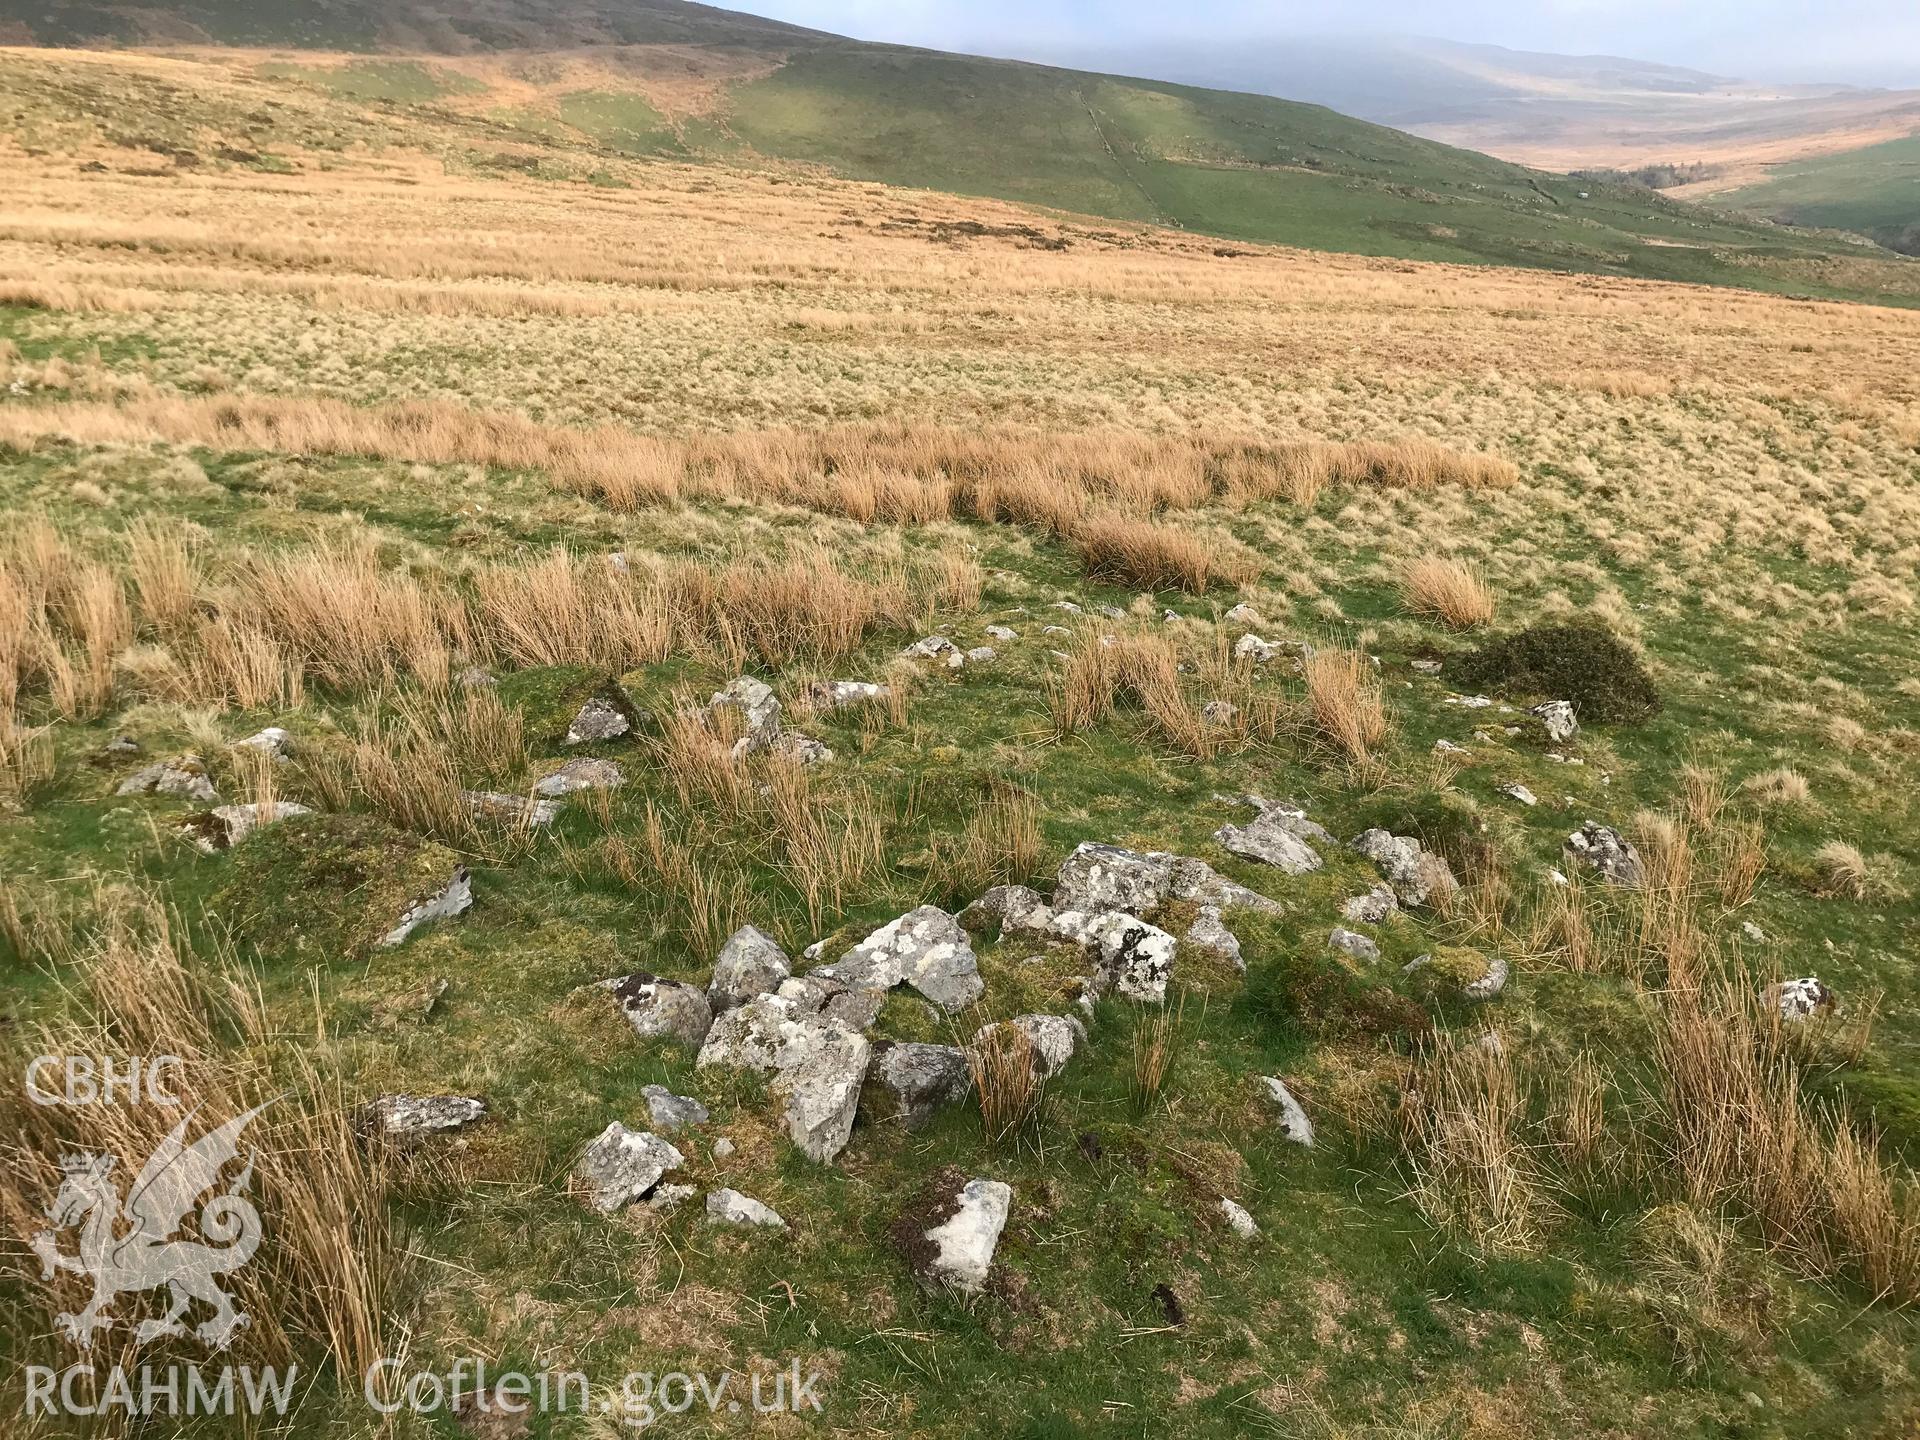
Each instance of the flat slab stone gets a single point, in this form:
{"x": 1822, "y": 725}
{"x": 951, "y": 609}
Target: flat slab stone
{"x": 620, "y": 1166}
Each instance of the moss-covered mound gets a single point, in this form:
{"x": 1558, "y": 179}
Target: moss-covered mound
{"x": 1577, "y": 660}
{"x": 325, "y": 886}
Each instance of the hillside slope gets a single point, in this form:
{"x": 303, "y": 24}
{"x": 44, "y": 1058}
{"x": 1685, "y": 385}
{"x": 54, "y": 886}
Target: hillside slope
{"x": 688, "y": 81}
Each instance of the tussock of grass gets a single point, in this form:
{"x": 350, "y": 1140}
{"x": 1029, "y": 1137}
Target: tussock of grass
{"x": 1345, "y": 703}
{"x": 1450, "y": 591}
{"x": 1152, "y": 556}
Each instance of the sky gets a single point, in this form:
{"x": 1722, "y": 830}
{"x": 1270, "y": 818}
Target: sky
{"x": 1864, "y": 42}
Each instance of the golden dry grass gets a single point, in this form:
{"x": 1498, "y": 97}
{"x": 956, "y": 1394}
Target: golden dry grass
{"x": 1345, "y": 704}
{"x": 1452, "y": 592}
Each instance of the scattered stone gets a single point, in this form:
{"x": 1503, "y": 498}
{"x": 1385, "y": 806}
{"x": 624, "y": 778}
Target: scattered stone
{"x": 1294, "y": 1124}
{"x": 800, "y": 749}
{"x": 1134, "y": 958}
{"x": 516, "y": 810}
{"x": 723, "y": 1148}
{"x": 122, "y": 745}
{"x": 1008, "y": 910}
{"x": 1425, "y": 667}
{"x": 1514, "y": 790}
{"x": 1112, "y": 612}
{"x": 1260, "y": 652}
{"x": 965, "y": 1241}
{"x": 1209, "y": 934}
{"x": 925, "y": 948}
{"x": 1447, "y": 747}
{"x": 1371, "y": 908}
{"x": 1753, "y": 932}
{"x": 1238, "y": 1220}
{"x": 1469, "y": 702}
{"x": 1068, "y": 606}
{"x": 759, "y": 710}
{"x": 184, "y": 776}
{"x": 662, "y": 1009}
{"x": 730, "y": 1207}
{"x": 668, "y": 1198}
{"x": 1604, "y": 849}
{"x": 583, "y": 773}
{"x": 272, "y": 742}
{"x": 1416, "y": 874}
{"x": 751, "y": 963}
{"x": 1272, "y": 839}
{"x": 620, "y": 1166}
{"x": 1002, "y": 633}
{"x": 670, "y": 1112}
{"x": 1097, "y": 878}
{"x": 1558, "y": 717}
{"x": 456, "y": 899}
{"x": 475, "y": 678}
{"x": 922, "y": 1078}
{"x": 227, "y": 825}
{"x": 599, "y": 719}
{"x": 1219, "y": 712}
{"x": 936, "y": 647}
{"x": 1350, "y": 943}
{"x": 1244, "y": 614}
{"x": 1056, "y": 630}
{"x": 981, "y": 654}
{"x": 838, "y": 694}
{"x": 1288, "y": 817}
{"x": 412, "y": 1117}
{"x": 1803, "y": 999}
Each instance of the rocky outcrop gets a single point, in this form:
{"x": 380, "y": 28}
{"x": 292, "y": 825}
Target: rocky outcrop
{"x": 1052, "y": 1039}
{"x": 759, "y": 711}
{"x": 1274, "y": 839}
{"x": 620, "y": 1166}
{"x": 837, "y": 694}
{"x": 1096, "y": 878}
{"x": 1238, "y": 1220}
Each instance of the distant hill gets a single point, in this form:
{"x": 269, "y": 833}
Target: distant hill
{"x": 692, "y": 81}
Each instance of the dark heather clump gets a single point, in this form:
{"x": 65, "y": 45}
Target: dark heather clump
{"x": 1581, "y": 661}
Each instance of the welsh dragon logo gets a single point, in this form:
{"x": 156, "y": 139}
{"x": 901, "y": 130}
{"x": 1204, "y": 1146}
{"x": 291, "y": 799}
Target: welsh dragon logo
{"x": 131, "y": 1246}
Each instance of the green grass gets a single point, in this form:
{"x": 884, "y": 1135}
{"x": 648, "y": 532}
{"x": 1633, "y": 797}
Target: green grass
{"x": 1242, "y": 167}
{"x": 622, "y": 122}
{"x": 1873, "y": 191}
{"x": 1566, "y": 1335}
{"x": 404, "y": 82}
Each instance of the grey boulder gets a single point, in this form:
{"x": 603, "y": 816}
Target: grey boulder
{"x": 669, "y": 1112}
{"x": 925, "y": 948}
{"x": 922, "y": 1079}
{"x": 730, "y": 1207}
{"x": 751, "y": 963}
{"x": 662, "y": 1009}
{"x": 620, "y": 1166}
{"x": 963, "y": 1243}
{"x": 1606, "y": 850}
{"x": 454, "y": 900}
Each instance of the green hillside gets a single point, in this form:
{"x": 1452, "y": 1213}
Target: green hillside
{"x": 1240, "y": 167}
{"x": 1874, "y": 191}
